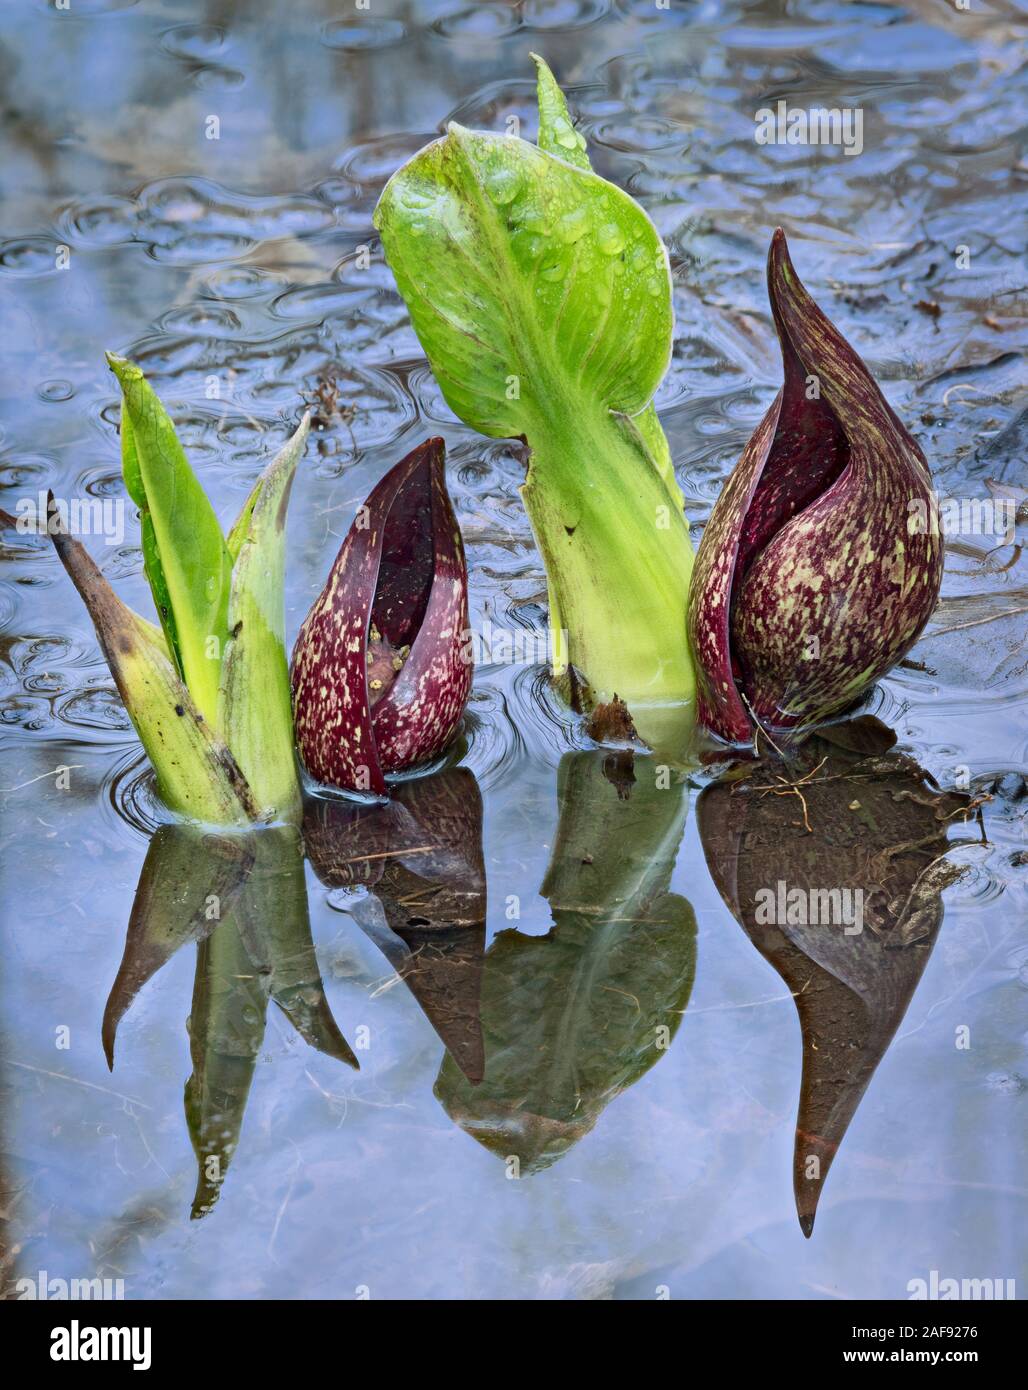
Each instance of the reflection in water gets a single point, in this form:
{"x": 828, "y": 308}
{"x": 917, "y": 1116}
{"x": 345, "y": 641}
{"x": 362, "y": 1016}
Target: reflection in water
{"x": 238, "y": 257}
{"x": 574, "y": 1017}
{"x": 243, "y": 899}
{"x": 189, "y": 880}
{"x": 419, "y": 855}
{"x": 832, "y": 862}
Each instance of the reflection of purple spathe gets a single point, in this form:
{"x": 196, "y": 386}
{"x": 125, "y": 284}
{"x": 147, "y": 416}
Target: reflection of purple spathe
{"x": 783, "y": 906}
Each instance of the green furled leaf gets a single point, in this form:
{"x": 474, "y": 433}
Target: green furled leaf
{"x": 557, "y": 133}
{"x": 255, "y": 710}
{"x": 187, "y": 561}
{"x": 241, "y": 525}
{"x": 516, "y": 265}
{"x": 541, "y": 294}
{"x": 558, "y": 136}
{"x": 151, "y": 555}
{"x": 196, "y": 774}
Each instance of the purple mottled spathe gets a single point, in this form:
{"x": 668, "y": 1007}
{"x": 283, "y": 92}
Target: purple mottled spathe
{"x": 399, "y": 582}
{"x": 816, "y": 572}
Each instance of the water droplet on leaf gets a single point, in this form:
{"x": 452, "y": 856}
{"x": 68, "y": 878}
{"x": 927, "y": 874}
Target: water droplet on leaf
{"x": 610, "y": 239}
{"x": 502, "y": 185}
{"x": 573, "y": 225}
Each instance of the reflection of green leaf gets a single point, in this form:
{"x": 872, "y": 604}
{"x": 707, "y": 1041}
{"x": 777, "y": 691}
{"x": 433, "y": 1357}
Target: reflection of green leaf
{"x": 226, "y": 1030}
{"x": 542, "y": 297}
{"x": 261, "y": 948}
{"x": 573, "y": 1018}
{"x": 189, "y": 880}
{"x": 277, "y": 933}
{"x": 187, "y": 561}
{"x": 255, "y": 711}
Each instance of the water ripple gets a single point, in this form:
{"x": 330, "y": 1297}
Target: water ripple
{"x": 197, "y": 42}
{"x": 482, "y": 23}
{"x": 356, "y": 35}
{"x": 553, "y": 15}
{"x": 28, "y": 256}
{"x": 129, "y": 790}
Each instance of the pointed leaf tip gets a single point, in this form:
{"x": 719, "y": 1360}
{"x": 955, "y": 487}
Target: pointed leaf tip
{"x": 557, "y": 133}
{"x": 124, "y": 369}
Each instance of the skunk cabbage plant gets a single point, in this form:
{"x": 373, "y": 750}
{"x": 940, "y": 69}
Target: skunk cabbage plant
{"x": 381, "y": 668}
{"x": 541, "y": 294}
{"x": 208, "y": 691}
{"x": 816, "y": 572}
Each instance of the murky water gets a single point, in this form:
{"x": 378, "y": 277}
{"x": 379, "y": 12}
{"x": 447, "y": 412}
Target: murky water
{"x": 530, "y": 957}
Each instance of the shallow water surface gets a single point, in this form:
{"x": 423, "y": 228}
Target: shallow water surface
{"x": 579, "y": 1062}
